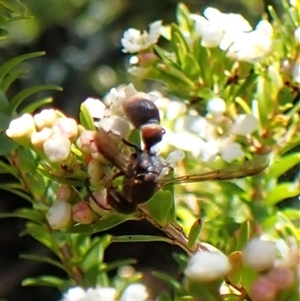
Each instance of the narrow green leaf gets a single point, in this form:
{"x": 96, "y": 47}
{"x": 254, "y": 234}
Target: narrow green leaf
{"x": 37, "y": 104}
{"x": 138, "y": 238}
{"x": 194, "y": 232}
{"x": 21, "y": 96}
{"x": 281, "y": 192}
{"x": 170, "y": 280}
{"x": 14, "y": 6}
{"x": 10, "y": 78}
{"x": 3, "y": 101}
{"x": 86, "y": 120}
{"x": 8, "y": 66}
{"x": 3, "y": 34}
{"x": 6, "y": 145}
{"x": 107, "y": 223}
{"x": 191, "y": 67}
{"x": 285, "y": 163}
{"x": 244, "y": 234}
{"x": 51, "y": 281}
{"x": 160, "y": 205}
{"x": 179, "y": 44}
{"x": 43, "y": 259}
{"x": 183, "y": 17}
{"x": 26, "y": 213}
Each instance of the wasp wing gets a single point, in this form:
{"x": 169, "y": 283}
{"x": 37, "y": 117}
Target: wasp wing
{"x": 108, "y": 148}
{"x": 248, "y": 168}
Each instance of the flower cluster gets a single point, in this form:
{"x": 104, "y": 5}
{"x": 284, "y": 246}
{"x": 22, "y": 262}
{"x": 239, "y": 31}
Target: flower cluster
{"x": 133, "y": 292}
{"x": 214, "y": 134}
{"x": 233, "y": 34}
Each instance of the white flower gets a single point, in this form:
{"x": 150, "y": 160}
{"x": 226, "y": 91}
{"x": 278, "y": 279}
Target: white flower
{"x": 135, "y": 292}
{"x": 231, "y": 151}
{"x": 297, "y": 35}
{"x": 46, "y": 118}
{"x": 217, "y": 25}
{"x": 209, "y": 150}
{"x": 92, "y": 294}
{"x": 134, "y": 41}
{"x": 259, "y": 255}
{"x": 95, "y": 107}
{"x": 244, "y": 124}
{"x": 57, "y": 148}
{"x": 296, "y": 72}
{"x": 216, "y": 106}
{"x": 59, "y": 215}
{"x": 21, "y": 127}
{"x": 207, "y": 266}
{"x": 117, "y": 126}
{"x": 249, "y": 46}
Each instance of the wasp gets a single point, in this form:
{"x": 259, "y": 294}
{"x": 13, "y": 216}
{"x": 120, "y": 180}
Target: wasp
{"x": 142, "y": 170}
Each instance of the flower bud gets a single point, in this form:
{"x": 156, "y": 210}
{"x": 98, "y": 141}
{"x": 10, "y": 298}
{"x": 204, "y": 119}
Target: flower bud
{"x": 263, "y": 289}
{"x": 39, "y": 138}
{"x": 85, "y": 140}
{"x": 207, "y": 266}
{"x": 135, "y": 292}
{"x": 95, "y": 107}
{"x": 46, "y": 118}
{"x": 216, "y": 106}
{"x": 59, "y": 215}
{"x": 21, "y": 128}
{"x": 244, "y": 124}
{"x": 99, "y": 203}
{"x": 63, "y": 192}
{"x": 259, "y": 255}
{"x": 57, "y": 148}
{"x": 82, "y": 213}
{"x": 66, "y": 127}
{"x": 282, "y": 277}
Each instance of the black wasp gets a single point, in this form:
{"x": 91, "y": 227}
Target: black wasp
{"x": 142, "y": 169}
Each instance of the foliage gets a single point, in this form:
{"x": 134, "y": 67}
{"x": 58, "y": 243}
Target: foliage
{"x": 260, "y": 94}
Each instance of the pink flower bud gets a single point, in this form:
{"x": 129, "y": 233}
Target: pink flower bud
{"x": 82, "y": 213}
{"x": 64, "y": 192}
{"x": 66, "y": 127}
{"x": 263, "y": 289}
{"x": 85, "y": 141}
{"x": 282, "y": 277}
{"x": 259, "y": 255}
{"x": 45, "y": 118}
{"x": 59, "y": 215}
{"x": 57, "y": 148}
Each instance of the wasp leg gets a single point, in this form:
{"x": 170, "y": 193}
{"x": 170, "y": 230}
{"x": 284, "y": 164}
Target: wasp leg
{"x": 136, "y": 148}
{"x": 118, "y": 202}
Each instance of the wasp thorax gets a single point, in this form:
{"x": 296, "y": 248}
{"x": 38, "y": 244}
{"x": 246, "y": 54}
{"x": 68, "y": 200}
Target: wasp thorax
{"x": 140, "y": 111}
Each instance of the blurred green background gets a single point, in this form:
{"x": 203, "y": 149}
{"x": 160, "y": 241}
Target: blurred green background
{"x": 83, "y": 55}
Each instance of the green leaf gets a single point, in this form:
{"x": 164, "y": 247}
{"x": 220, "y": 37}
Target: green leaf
{"x": 21, "y": 96}
{"x": 281, "y": 192}
{"x": 3, "y": 34}
{"x": 190, "y": 67}
{"x": 179, "y": 44}
{"x": 171, "y": 281}
{"x": 112, "y": 220}
{"x": 26, "y": 213}
{"x": 51, "y": 281}
{"x": 3, "y": 102}
{"x": 244, "y": 234}
{"x": 86, "y": 120}
{"x": 6, "y": 144}
{"x": 160, "y": 205}
{"x": 10, "y": 78}
{"x": 14, "y": 6}
{"x": 8, "y": 66}
{"x": 32, "y": 107}
{"x": 285, "y": 163}
{"x": 43, "y": 259}
{"x": 183, "y": 17}
{"x": 194, "y": 232}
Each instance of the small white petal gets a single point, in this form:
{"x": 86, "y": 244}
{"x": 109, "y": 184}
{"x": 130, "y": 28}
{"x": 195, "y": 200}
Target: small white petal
{"x": 135, "y": 292}
{"x": 46, "y": 118}
{"x": 259, "y": 255}
{"x": 38, "y": 138}
{"x": 244, "y": 124}
{"x": 101, "y": 294}
{"x": 231, "y": 151}
{"x": 195, "y": 124}
{"x": 174, "y": 157}
{"x": 296, "y": 72}
{"x": 209, "y": 151}
{"x": 66, "y": 127}
{"x": 216, "y": 106}
{"x": 116, "y": 125}
{"x": 75, "y": 294}
{"x": 207, "y": 266}
{"x": 297, "y": 35}
{"x": 95, "y": 107}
